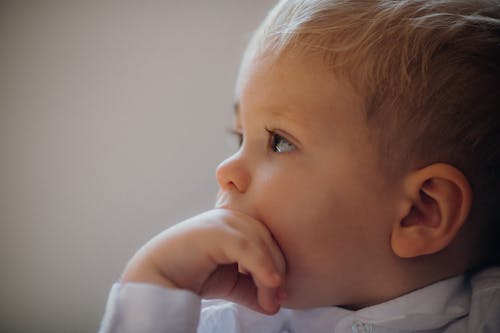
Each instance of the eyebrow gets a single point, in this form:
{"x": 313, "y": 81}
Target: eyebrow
{"x": 277, "y": 112}
{"x": 236, "y": 108}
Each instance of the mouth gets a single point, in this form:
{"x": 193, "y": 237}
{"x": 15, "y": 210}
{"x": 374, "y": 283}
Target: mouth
{"x": 222, "y": 200}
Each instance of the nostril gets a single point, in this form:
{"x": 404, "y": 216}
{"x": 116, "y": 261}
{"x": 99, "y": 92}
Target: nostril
{"x": 239, "y": 183}
{"x": 223, "y": 178}
{"x": 233, "y": 174}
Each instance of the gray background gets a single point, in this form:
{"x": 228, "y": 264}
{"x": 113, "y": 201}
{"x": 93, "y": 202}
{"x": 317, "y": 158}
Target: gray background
{"x": 112, "y": 121}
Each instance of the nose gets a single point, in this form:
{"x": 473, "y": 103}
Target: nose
{"x": 232, "y": 173}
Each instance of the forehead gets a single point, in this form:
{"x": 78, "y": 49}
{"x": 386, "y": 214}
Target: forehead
{"x": 299, "y": 89}
{"x": 278, "y": 111}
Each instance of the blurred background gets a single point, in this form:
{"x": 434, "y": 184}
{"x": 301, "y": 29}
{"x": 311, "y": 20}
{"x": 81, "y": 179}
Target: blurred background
{"x": 112, "y": 121}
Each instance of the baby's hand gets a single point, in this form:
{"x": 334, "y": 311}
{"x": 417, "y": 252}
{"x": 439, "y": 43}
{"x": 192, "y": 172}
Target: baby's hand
{"x": 218, "y": 254}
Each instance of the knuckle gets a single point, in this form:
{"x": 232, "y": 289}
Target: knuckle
{"x": 243, "y": 244}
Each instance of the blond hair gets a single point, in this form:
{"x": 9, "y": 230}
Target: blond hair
{"x": 429, "y": 71}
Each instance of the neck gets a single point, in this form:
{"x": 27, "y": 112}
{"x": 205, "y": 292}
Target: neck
{"x": 407, "y": 275}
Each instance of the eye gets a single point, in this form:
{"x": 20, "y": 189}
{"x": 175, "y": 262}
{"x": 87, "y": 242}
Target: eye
{"x": 235, "y": 134}
{"x": 279, "y": 144}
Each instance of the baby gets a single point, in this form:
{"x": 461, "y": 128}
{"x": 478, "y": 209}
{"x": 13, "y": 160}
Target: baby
{"x": 363, "y": 195}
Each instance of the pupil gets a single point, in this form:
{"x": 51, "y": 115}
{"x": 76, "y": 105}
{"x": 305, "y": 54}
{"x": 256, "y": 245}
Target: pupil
{"x": 278, "y": 144}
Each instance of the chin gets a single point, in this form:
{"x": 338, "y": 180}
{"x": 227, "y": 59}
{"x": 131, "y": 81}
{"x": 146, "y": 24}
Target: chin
{"x": 304, "y": 300}
{"x": 296, "y": 306}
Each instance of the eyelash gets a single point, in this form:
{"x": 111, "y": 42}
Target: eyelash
{"x": 274, "y": 138}
{"x": 237, "y": 134}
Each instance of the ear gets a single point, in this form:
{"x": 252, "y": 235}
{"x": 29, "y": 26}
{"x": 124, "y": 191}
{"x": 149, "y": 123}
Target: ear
{"x": 437, "y": 202}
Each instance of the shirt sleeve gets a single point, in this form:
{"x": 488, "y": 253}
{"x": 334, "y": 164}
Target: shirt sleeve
{"x": 136, "y": 307}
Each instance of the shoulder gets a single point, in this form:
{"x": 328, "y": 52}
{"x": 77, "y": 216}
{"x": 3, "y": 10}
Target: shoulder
{"x": 486, "y": 293}
{"x": 484, "y": 312}
{"x": 486, "y": 281}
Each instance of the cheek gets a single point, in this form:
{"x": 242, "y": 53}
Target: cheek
{"x": 312, "y": 222}
{"x": 305, "y": 207}
{"x": 301, "y": 221}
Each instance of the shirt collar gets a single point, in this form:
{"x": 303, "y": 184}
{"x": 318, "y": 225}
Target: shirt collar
{"x": 428, "y": 308}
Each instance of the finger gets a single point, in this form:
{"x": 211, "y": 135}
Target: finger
{"x": 245, "y": 292}
{"x": 258, "y": 234}
{"x": 251, "y": 253}
{"x": 267, "y": 299}
{"x": 255, "y": 259}
{"x": 277, "y": 256}
{"x": 243, "y": 270}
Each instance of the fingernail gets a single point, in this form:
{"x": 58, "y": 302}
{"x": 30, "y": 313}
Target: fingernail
{"x": 276, "y": 277}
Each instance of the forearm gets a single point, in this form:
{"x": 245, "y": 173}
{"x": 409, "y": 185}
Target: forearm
{"x": 135, "y": 307}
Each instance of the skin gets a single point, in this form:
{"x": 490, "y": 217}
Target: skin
{"x": 324, "y": 200}
{"x": 304, "y": 217}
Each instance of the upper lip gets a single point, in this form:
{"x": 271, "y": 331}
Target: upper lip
{"x": 225, "y": 200}
{"x": 222, "y": 200}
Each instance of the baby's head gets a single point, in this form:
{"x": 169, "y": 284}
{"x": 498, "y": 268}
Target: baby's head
{"x": 371, "y": 144}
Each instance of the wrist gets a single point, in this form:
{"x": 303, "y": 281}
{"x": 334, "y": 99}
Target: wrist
{"x": 140, "y": 274}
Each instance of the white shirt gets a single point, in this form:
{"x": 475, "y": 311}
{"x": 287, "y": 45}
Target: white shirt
{"x": 458, "y": 304}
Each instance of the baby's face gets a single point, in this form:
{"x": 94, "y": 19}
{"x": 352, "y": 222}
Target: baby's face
{"x": 307, "y": 170}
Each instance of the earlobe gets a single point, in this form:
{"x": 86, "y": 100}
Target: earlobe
{"x": 437, "y": 203}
